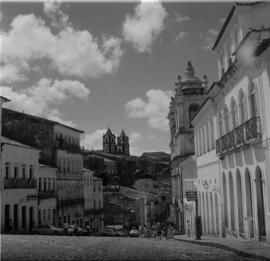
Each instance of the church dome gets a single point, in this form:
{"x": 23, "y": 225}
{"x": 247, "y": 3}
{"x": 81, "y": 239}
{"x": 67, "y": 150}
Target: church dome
{"x": 190, "y": 84}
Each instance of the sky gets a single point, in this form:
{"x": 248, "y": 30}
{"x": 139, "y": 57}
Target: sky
{"x": 98, "y": 65}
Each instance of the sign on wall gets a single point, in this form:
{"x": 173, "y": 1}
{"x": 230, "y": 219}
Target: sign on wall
{"x": 191, "y": 195}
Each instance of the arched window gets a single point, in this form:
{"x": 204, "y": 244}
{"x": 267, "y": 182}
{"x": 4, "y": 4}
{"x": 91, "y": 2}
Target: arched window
{"x": 191, "y": 111}
{"x": 226, "y": 120}
{"x": 242, "y": 106}
{"x": 233, "y": 113}
{"x": 220, "y": 124}
{"x": 253, "y": 100}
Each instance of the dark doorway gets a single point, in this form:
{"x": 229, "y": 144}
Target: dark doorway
{"x": 23, "y": 217}
{"x": 260, "y": 205}
{"x": 15, "y": 217}
{"x": 7, "y": 218}
{"x": 31, "y": 218}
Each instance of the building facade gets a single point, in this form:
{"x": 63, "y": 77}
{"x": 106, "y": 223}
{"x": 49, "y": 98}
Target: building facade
{"x": 189, "y": 95}
{"x": 60, "y": 148}
{"x": 110, "y": 145}
{"x": 19, "y": 205}
{"x": 208, "y": 167}
{"x": 88, "y": 184}
{"x": 237, "y": 203}
{"x": 47, "y": 195}
{"x": 97, "y": 223}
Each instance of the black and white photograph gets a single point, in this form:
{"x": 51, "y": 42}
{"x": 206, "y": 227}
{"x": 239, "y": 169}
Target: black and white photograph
{"x": 135, "y": 130}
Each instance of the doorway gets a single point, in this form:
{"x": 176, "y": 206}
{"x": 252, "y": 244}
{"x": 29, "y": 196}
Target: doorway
{"x": 260, "y": 205}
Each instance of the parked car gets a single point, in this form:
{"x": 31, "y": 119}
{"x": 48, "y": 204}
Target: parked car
{"x": 133, "y": 233}
{"x": 48, "y": 230}
{"x": 108, "y": 232}
{"x": 121, "y": 233}
{"x": 80, "y": 231}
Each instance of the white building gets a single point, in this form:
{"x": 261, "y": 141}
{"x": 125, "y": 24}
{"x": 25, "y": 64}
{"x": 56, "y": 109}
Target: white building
{"x": 97, "y": 222}
{"x": 88, "y": 194}
{"x": 19, "y": 206}
{"x": 236, "y": 190}
{"x": 208, "y": 182}
{"x": 47, "y": 195}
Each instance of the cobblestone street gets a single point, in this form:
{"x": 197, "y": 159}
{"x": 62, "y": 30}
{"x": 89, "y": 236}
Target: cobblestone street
{"x": 21, "y": 247}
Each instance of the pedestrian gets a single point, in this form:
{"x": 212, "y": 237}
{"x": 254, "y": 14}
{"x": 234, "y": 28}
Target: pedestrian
{"x": 188, "y": 228}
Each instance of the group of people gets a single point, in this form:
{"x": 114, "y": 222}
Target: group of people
{"x": 157, "y": 230}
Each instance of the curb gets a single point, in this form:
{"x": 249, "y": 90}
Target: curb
{"x": 225, "y": 247}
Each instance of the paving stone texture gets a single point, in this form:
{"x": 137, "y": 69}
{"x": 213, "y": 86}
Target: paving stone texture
{"x": 36, "y": 247}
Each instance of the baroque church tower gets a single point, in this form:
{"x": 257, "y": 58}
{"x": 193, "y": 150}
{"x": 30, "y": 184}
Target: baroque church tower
{"x": 123, "y": 144}
{"x": 110, "y": 146}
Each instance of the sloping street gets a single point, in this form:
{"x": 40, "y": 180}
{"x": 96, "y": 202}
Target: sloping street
{"x": 22, "y": 247}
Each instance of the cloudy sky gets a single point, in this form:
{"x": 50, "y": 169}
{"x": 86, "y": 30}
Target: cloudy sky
{"x": 95, "y": 65}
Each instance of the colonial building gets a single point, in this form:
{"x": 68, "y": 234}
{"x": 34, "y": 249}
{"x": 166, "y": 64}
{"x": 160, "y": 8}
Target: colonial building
{"x": 208, "y": 183}
{"x": 97, "y": 222}
{"x": 19, "y": 205}
{"x": 59, "y": 145}
{"x": 47, "y": 195}
{"x": 110, "y": 145}
{"x": 189, "y": 95}
{"x": 235, "y": 192}
{"x": 88, "y": 182}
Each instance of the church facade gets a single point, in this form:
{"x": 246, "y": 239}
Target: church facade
{"x": 115, "y": 145}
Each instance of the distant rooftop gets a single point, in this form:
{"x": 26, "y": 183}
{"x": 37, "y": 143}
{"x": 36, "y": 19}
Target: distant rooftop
{"x": 15, "y": 143}
{"x": 43, "y": 119}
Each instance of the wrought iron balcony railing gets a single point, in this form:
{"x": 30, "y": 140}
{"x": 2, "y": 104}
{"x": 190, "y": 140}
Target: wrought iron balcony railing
{"x": 87, "y": 212}
{"x": 68, "y": 202}
{"x": 47, "y": 194}
{"x": 239, "y": 136}
{"x": 224, "y": 143}
{"x": 14, "y": 183}
{"x": 252, "y": 129}
{"x": 231, "y": 140}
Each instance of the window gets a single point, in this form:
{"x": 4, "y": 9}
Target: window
{"x": 44, "y": 184}
{"x": 253, "y": 100}
{"x": 99, "y": 187}
{"x": 49, "y": 184}
{"x": 94, "y": 203}
{"x": 94, "y": 189}
{"x": 54, "y": 188}
{"x": 192, "y": 109}
{"x": 64, "y": 165}
{"x": 7, "y": 169}
{"x": 44, "y": 214}
{"x": 226, "y": 120}
{"x": 242, "y": 106}
{"x": 31, "y": 172}
{"x": 49, "y": 214}
{"x": 16, "y": 172}
{"x": 233, "y": 113}
{"x": 23, "y": 171}
{"x": 100, "y": 203}
{"x": 39, "y": 184}
{"x": 220, "y": 124}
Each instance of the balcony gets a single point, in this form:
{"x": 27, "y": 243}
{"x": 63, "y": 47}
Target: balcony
{"x": 246, "y": 133}
{"x": 13, "y": 183}
{"x": 47, "y": 194}
{"x": 252, "y": 129}
{"x": 68, "y": 202}
{"x": 87, "y": 212}
{"x": 70, "y": 147}
{"x": 239, "y": 134}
